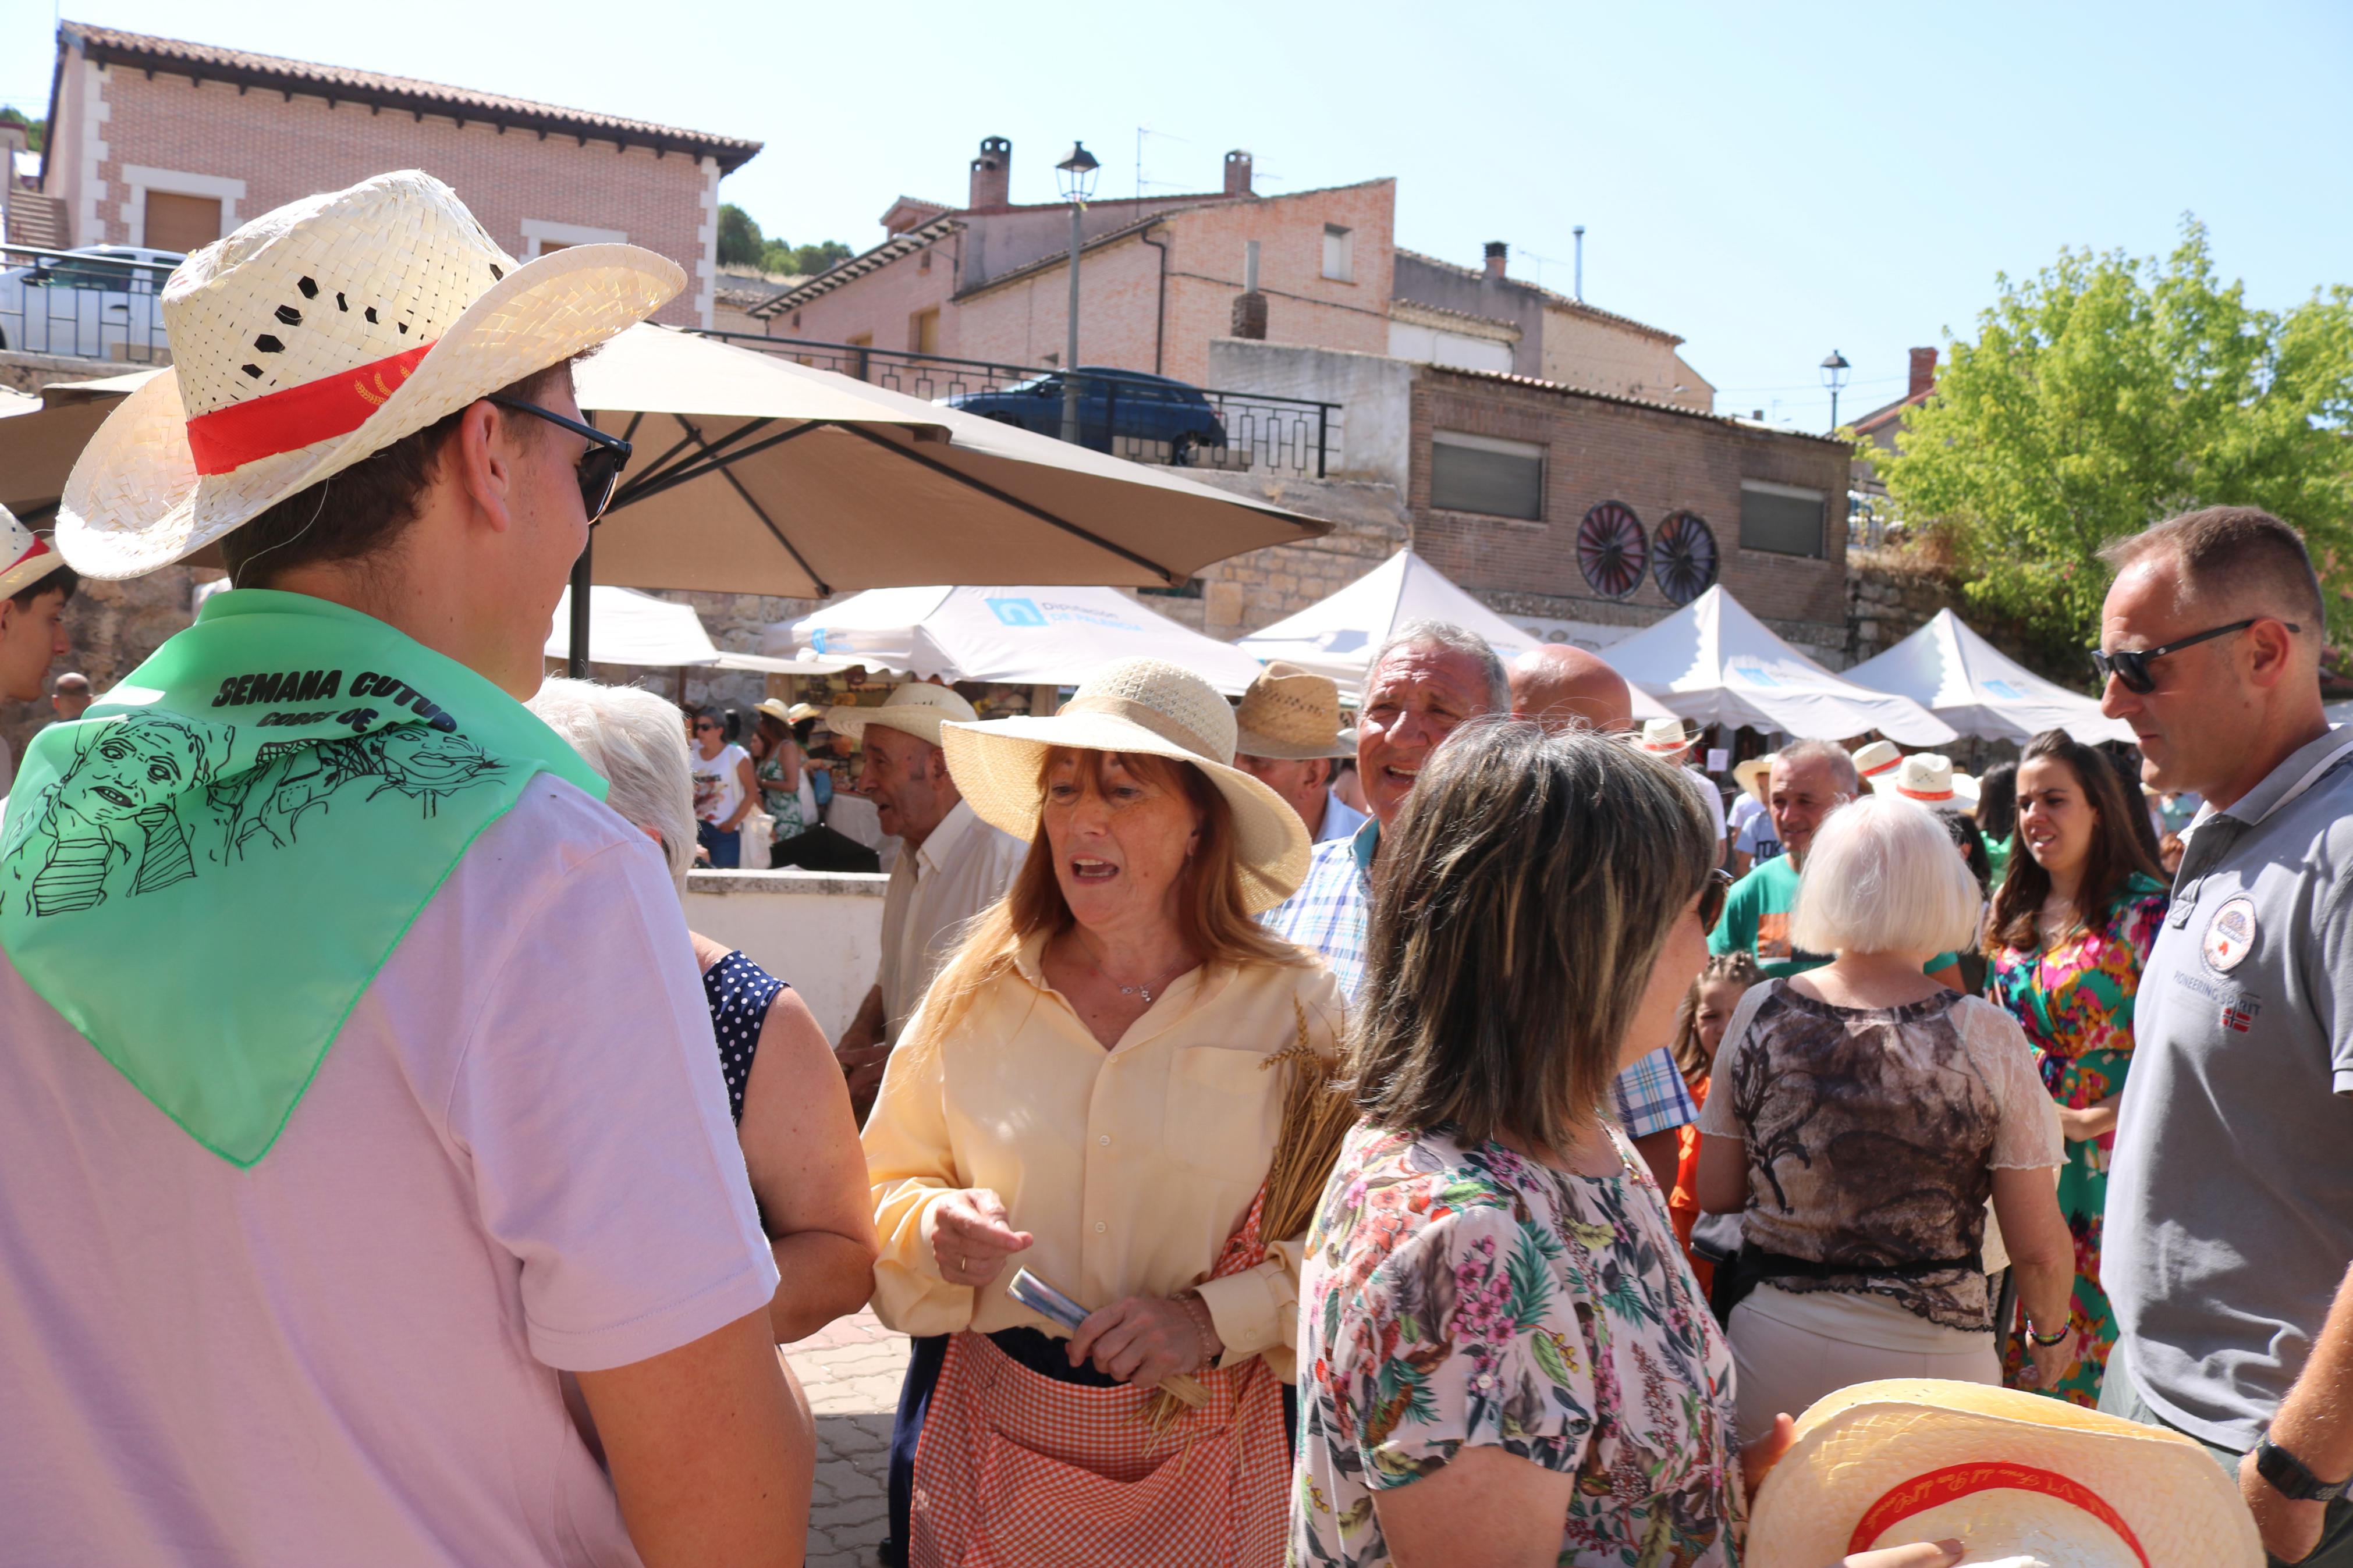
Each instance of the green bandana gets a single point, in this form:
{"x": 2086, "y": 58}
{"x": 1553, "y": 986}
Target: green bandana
{"x": 205, "y": 873}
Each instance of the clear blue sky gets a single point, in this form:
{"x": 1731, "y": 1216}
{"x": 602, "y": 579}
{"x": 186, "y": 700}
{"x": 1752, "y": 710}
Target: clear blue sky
{"x": 1769, "y": 180}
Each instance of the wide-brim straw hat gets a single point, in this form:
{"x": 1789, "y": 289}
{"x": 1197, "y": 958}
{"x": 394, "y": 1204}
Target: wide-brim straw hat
{"x": 318, "y": 335}
{"x": 2012, "y": 1474}
{"x": 1664, "y": 737}
{"x": 25, "y": 557}
{"x": 1876, "y": 758}
{"x": 1929, "y": 779}
{"x": 1747, "y": 774}
{"x": 1137, "y": 706}
{"x": 917, "y": 709}
{"x": 1291, "y": 715}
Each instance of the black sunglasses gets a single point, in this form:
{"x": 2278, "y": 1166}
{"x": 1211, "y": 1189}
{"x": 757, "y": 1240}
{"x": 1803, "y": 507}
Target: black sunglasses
{"x": 1712, "y": 896}
{"x": 600, "y": 465}
{"x": 2131, "y": 666}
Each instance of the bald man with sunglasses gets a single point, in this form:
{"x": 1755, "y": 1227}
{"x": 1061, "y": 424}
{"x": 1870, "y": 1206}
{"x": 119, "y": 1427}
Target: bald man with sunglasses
{"x": 2229, "y": 1230}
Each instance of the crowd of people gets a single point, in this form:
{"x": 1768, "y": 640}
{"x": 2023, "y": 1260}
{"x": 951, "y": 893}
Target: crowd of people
{"x": 1454, "y": 1141}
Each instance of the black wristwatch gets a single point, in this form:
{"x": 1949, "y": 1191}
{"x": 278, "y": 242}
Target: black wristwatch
{"x": 2288, "y": 1476}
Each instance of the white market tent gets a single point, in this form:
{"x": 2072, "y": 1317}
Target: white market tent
{"x": 1337, "y": 636}
{"x": 630, "y": 628}
{"x": 1971, "y": 685}
{"x": 1020, "y": 636}
{"x": 1715, "y": 663}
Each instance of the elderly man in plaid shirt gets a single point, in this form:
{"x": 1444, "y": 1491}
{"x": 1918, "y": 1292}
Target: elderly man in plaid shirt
{"x": 1426, "y": 680}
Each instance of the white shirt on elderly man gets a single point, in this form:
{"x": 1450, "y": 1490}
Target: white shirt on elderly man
{"x": 936, "y": 888}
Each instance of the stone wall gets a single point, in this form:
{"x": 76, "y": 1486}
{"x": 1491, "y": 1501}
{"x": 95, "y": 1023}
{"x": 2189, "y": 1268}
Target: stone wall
{"x": 111, "y": 627}
{"x": 1241, "y": 595}
{"x": 1891, "y": 593}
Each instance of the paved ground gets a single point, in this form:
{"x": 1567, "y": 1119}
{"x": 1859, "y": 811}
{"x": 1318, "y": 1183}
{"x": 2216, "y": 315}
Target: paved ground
{"x": 851, "y": 1373}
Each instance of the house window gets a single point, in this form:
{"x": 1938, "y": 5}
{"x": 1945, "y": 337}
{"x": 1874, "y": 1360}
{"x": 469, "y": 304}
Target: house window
{"x": 924, "y": 331}
{"x": 1784, "y": 519}
{"x": 1484, "y": 474}
{"x": 180, "y": 223}
{"x": 1339, "y": 254}
{"x": 542, "y": 238}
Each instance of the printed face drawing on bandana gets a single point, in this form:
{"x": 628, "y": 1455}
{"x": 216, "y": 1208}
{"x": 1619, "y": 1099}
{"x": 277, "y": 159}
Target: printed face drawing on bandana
{"x": 110, "y": 825}
{"x": 292, "y": 778}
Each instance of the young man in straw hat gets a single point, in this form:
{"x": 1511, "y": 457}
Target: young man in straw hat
{"x": 354, "y": 1080}
{"x": 951, "y": 864}
{"x": 35, "y": 584}
{"x": 1289, "y": 733}
{"x": 1667, "y": 739}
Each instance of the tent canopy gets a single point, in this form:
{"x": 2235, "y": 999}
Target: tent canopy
{"x": 1020, "y": 635}
{"x": 1971, "y": 685}
{"x": 1337, "y": 636}
{"x": 628, "y": 627}
{"x": 1715, "y": 663}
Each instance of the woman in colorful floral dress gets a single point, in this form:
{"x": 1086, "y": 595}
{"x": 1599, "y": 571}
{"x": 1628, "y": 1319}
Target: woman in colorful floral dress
{"x": 1504, "y": 1358}
{"x": 2071, "y": 928}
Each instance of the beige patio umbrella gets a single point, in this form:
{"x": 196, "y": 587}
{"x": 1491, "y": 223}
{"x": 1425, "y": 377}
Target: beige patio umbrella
{"x": 754, "y": 475}
{"x": 41, "y": 435}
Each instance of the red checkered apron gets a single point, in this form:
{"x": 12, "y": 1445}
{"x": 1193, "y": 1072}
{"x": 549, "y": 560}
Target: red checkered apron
{"x": 1017, "y": 1470}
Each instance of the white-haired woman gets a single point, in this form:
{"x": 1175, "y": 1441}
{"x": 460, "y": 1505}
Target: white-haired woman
{"x": 783, "y": 1089}
{"x": 1095, "y": 1090}
{"x": 1861, "y": 1116}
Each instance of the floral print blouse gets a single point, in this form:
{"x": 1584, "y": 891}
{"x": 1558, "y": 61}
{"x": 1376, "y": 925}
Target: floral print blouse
{"x": 1457, "y": 1297}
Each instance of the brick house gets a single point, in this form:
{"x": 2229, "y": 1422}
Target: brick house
{"x": 159, "y": 142}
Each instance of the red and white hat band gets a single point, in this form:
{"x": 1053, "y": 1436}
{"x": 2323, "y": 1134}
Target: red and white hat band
{"x": 225, "y": 440}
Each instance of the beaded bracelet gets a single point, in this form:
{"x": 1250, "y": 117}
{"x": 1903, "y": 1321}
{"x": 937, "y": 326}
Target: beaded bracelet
{"x": 1197, "y": 1312}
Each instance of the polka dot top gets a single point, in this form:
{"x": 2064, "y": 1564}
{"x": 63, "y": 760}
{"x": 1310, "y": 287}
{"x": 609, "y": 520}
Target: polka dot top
{"x": 740, "y": 993}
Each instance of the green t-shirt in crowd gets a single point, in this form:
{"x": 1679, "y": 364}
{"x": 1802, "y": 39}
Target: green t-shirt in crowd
{"x": 1756, "y": 920}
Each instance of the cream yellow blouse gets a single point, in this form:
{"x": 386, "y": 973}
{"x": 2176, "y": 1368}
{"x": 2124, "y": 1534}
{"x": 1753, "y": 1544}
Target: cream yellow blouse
{"x": 1131, "y": 1166}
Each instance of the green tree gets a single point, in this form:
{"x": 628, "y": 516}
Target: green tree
{"x": 2107, "y": 393}
{"x": 805, "y": 260}
{"x": 740, "y": 244}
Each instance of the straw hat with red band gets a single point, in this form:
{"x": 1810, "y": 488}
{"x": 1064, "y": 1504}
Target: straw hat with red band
{"x": 1929, "y": 779}
{"x": 318, "y": 335}
{"x": 1878, "y": 757}
{"x": 2017, "y": 1478}
{"x": 25, "y": 557}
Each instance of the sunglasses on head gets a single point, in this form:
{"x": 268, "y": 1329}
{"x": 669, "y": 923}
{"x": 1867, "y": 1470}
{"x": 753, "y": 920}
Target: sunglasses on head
{"x": 600, "y": 465}
{"x": 1712, "y": 896}
{"x": 2131, "y": 665}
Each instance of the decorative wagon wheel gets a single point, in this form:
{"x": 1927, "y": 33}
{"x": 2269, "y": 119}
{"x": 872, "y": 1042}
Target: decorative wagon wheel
{"x": 1683, "y": 557}
{"x": 1610, "y": 549}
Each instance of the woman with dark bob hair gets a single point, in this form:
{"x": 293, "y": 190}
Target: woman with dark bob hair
{"x": 1504, "y": 1357}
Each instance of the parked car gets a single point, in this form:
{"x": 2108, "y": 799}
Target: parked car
{"x": 99, "y": 302}
{"x": 1126, "y": 404}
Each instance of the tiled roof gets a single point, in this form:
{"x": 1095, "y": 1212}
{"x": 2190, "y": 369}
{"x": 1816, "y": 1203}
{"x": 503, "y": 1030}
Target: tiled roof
{"x": 1062, "y": 258}
{"x": 1890, "y": 412}
{"x": 742, "y": 290}
{"x": 1417, "y": 307}
{"x": 859, "y": 266}
{"x": 206, "y": 62}
{"x": 1565, "y": 301}
{"x": 1532, "y": 383}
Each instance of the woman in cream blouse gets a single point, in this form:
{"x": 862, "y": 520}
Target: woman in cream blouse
{"x": 1094, "y": 1090}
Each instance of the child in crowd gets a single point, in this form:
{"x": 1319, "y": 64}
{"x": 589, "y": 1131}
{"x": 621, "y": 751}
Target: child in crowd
{"x": 1699, "y": 1029}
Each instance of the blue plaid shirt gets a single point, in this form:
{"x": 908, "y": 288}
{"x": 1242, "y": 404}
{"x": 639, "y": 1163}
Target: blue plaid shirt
{"x": 1330, "y": 914}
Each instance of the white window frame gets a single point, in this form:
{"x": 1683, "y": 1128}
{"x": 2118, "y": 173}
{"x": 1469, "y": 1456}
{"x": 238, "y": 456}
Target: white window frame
{"x": 540, "y": 231}
{"x": 137, "y": 179}
{"x": 1345, "y": 271}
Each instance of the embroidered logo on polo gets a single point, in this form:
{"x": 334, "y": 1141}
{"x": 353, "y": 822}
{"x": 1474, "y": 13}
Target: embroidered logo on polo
{"x": 2239, "y": 1012}
{"x": 2229, "y": 935}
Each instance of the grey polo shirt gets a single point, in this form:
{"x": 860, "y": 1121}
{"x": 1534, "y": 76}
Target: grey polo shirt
{"x": 2230, "y": 1204}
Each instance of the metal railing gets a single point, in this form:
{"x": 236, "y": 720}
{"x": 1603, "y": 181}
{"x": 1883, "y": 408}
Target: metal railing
{"x": 1144, "y": 418}
{"x": 84, "y": 307}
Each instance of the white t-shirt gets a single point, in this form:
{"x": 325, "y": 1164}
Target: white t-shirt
{"x": 516, "y": 1157}
{"x": 936, "y": 890}
{"x": 717, "y": 782}
{"x": 1712, "y": 796}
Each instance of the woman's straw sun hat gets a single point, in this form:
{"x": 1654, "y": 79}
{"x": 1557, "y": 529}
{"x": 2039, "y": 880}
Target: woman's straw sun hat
{"x": 318, "y": 335}
{"x": 2015, "y": 1476}
{"x": 1138, "y": 705}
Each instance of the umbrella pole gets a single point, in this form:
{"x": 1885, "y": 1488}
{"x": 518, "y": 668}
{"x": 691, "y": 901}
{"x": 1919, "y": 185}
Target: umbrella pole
{"x": 575, "y": 664}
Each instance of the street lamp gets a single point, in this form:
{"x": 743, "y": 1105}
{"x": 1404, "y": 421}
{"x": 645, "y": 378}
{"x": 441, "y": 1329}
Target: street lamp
{"x": 1834, "y": 371}
{"x": 1076, "y": 175}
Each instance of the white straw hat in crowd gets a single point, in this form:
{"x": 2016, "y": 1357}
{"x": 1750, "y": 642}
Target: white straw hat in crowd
{"x": 1749, "y": 773}
{"x": 1138, "y": 705}
{"x": 1929, "y": 779}
{"x": 25, "y": 557}
{"x": 2017, "y": 1476}
{"x": 917, "y": 708}
{"x": 1876, "y": 758}
{"x": 1664, "y": 737}
{"x": 1291, "y": 715}
{"x": 319, "y": 333}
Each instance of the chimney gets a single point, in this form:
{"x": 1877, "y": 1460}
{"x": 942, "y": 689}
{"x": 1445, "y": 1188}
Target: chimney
{"x": 992, "y": 174}
{"x": 1250, "y": 306}
{"x": 1496, "y": 251}
{"x": 1924, "y": 373}
{"x": 1237, "y": 173}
